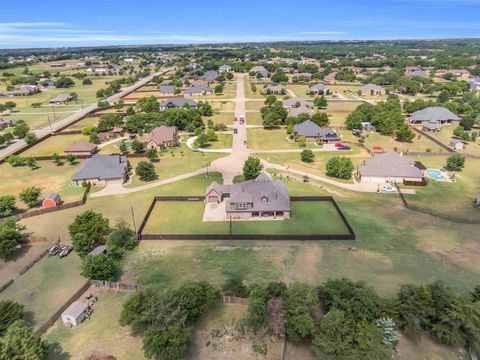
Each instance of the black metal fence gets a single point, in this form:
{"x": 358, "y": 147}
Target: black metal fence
{"x": 350, "y": 236}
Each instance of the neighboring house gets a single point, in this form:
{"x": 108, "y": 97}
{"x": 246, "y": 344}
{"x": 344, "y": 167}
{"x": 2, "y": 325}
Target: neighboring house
{"x": 81, "y": 148}
{"x": 372, "y": 90}
{"x": 460, "y": 73}
{"x": 61, "y": 99}
{"x": 177, "y": 103}
{"x": 115, "y": 133}
{"x": 199, "y": 83}
{"x": 26, "y": 90}
{"x": 75, "y": 313}
{"x": 5, "y": 124}
{"x": 416, "y": 73}
{"x": 102, "y": 170}
{"x": 331, "y": 77}
{"x": 475, "y": 84}
{"x": 52, "y": 200}
{"x": 259, "y": 198}
{"x": 167, "y": 90}
{"x": 161, "y": 137}
{"x": 259, "y": 70}
{"x": 303, "y": 76}
{"x": 431, "y": 126}
{"x": 434, "y": 114}
{"x": 313, "y": 132}
{"x": 295, "y": 111}
{"x": 210, "y": 75}
{"x": 274, "y": 89}
{"x": 225, "y": 68}
{"x": 317, "y": 89}
{"x": 100, "y": 249}
{"x": 293, "y": 102}
{"x": 57, "y": 65}
{"x": 388, "y": 167}
{"x": 456, "y": 144}
{"x": 198, "y": 91}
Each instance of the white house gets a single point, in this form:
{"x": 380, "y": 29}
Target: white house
{"x": 75, "y": 313}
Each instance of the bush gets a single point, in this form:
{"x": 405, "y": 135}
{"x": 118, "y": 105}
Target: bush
{"x": 455, "y": 162}
{"x": 146, "y": 171}
{"x": 7, "y": 205}
{"x": 307, "y": 156}
{"x": 339, "y": 167}
{"x": 30, "y": 196}
{"x": 100, "y": 267}
{"x": 252, "y": 168}
{"x": 11, "y": 236}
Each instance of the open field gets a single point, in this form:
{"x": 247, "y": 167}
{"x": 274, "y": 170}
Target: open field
{"x": 220, "y": 118}
{"x": 254, "y": 105}
{"x": 224, "y": 141}
{"x": 46, "y": 287}
{"x": 176, "y": 161}
{"x": 90, "y": 121}
{"x": 99, "y": 334}
{"x": 54, "y": 144}
{"x": 308, "y": 218}
{"x": 49, "y": 177}
{"x": 249, "y": 94}
{"x": 224, "y": 105}
{"x": 254, "y": 118}
{"x": 339, "y": 111}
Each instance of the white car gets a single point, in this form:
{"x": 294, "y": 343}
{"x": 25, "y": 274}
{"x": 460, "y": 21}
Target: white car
{"x": 388, "y": 188}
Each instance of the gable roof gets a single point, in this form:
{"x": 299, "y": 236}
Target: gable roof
{"x": 294, "y": 100}
{"x": 75, "y": 309}
{"x": 167, "y": 89}
{"x": 161, "y": 135}
{"x": 309, "y": 129}
{"x": 210, "y": 75}
{"x": 178, "y": 102}
{"x": 61, "y": 98}
{"x": 53, "y": 196}
{"x": 318, "y": 87}
{"x": 434, "y": 113}
{"x": 198, "y": 90}
{"x": 371, "y": 87}
{"x": 295, "y": 111}
{"x": 390, "y": 164}
{"x": 102, "y": 167}
{"x": 199, "y": 82}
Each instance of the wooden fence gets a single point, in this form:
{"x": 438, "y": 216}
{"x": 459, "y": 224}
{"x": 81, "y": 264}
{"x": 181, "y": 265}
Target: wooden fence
{"x": 118, "y": 286}
{"x": 430, "y": 137}
{"x": 234, "y": 300}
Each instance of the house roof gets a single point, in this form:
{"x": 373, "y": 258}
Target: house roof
{"x": 295, "y": 111}
{"x": 198, "y": 90}
{"x": 75, "y": 309}
{"x": 455, "y": 142}
{"x": 161, "y": 135}
{"x": 390, "y": 164}
{"x": 309, "y": 129}
{"x": 210, "y": 75}
{"x": 275, "y": 88}
{"x": 431, "y": 125}
{"x": 219, "y": 189}
{"x": 318, "y": 87}
{"x": 434, "y": 113}
{"x": 178, "y": 102}
{"x": 102, "y": 167}
{"x": 167, "y": 89}
{"x": 61, "y": 98}
{"x": 225, "y": 67}
{"x": 81, "y": 146}
{"x": 371, "y": 87}
{"x": 294, "y": 100}
{"x": 258, "y": 68}
{"x": 199, "y": 82}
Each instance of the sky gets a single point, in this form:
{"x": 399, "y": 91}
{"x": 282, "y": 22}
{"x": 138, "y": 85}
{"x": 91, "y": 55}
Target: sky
{"x": 47, "y": 23}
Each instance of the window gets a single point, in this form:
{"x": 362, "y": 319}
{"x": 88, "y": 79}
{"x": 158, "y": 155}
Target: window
{"x": 241, "y": 205}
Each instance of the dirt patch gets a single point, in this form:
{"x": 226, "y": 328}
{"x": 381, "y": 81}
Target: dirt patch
{"x": 305, "y": 267}
{"x": 427, "y": 349}
{"x": 11, "y": 269}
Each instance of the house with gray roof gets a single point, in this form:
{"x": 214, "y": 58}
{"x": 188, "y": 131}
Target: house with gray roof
{"x": 210, "y": 75}
{"x": 431, "y": 126}
{"x": 274, "y": 89}
{"x": 390, "y": 167}
{"x": 225, "y": 68}
{"x": 61, "y": 99}
{"x": 475, "y": 84}
{"x": 167, "y": 90}
{"x": 312, "y": 132}
{"x": 416, "y": 73}
{"x": 177, "y": 103}
{"x": 198, "y": 91}
{"x": 295, "y": 111}
{"x": 372, "y": 90}
{"x": 258, "y": 198}
{"x": 295, "y": 101}
{"x": 259, "y": 71}
{"x": 102, "y": 170}
{"x": 434, "y": 114}
{"x": 317, "y": 89}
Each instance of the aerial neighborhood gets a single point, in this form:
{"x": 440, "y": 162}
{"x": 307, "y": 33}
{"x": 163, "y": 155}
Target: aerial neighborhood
{"x": 270, "y": 200}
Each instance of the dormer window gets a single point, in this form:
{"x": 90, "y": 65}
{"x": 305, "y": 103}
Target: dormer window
{"x": 264, "y": 199}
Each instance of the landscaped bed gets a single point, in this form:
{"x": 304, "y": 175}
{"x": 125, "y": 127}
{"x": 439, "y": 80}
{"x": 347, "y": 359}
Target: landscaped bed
{"x": 308, "y": 218}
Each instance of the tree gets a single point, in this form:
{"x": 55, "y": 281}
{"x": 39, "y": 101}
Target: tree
{"x": 307, "y": 156}
{"x": 86, "y": 82}
{"x": 279, "y": 77}
{"x": 20, "y": 129}
{"x": 148, "y": 104}
{"x": 138, "y": 146}
{"x": 10, "y": 312}
{"x": 93, "y": 227}
{"x": 56, "y": 159}
{"x": 321, "y": 119}
{"x": 229, "y": 76}
{"x": 72, "y": 159}
{"x": 211, "y": 135}
{"x": 455, "y": 162}
{"x": 339, "y": 167}
{"x": 152, "y": 155}
{"x": 30, "y": 138}
{"x": 94, "y": 138}
{"x": 30, "y": 196}
{"x": 109, "y": 121}
{"x": 320, "y": 102}
{"x": 146, "y": 171}
{"x": 16, "y": 160}
{"x": 467, "y": 122}
{"x": 100, "y": 267}
{"x": 301, "y": 300}
{"x": 252, "y": 168}
{"x": 31, "y": 163}
{"x": 122, "y": 238}
{"x": 64, "y": 82}
{"x": 19, "y": 342}
{"x": 11, "y": 236}
{"x": 444, "y": 96}
{"x": 270, "y": 100}
{"x": 123, "y": 147}
{"x": 8, "y": 137}
{"x": 404, "y": 134}
{"x": 197, "y": 297}
{"x": 201, "y": 141}
{"x": 218, "y": 89}
{"x": 169, "y": 344}
{"x": 7, "y": 205}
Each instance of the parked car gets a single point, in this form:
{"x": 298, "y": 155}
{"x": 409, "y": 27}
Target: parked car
{"x": 377, "y": 147}
{"x": 65, "y": 251}
{"x": 388, "y": 188}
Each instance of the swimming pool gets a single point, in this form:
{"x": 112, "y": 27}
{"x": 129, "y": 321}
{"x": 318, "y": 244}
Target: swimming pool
{"x": 436, "y": 174}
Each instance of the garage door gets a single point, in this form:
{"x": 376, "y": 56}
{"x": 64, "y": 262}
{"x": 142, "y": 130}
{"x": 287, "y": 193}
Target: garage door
{"x": 212, "y": 199}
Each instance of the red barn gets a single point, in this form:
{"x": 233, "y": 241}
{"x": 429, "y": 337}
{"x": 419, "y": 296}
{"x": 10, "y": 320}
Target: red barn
{"x": 52, "y": 200}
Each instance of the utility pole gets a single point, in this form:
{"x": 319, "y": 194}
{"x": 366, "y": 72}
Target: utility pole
{"x": 54, "y": 115}
{"x": 50, "y": 124}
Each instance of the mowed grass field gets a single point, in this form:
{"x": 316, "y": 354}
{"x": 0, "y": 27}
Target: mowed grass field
{"x": 46, "y": 287}
{"x": 48, "y": 177}
{"x": 308, "y": 218}
{"x": 54, "y": 144}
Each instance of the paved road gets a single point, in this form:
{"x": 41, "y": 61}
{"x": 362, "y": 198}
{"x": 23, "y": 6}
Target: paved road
{"x": 79, "y": 114}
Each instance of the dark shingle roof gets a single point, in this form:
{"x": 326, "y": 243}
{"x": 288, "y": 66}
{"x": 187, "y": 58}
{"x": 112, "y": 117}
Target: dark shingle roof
{"x": 434, "y": 113}
{"x": 309, "y": 129}
{"x": 102, "y": 167}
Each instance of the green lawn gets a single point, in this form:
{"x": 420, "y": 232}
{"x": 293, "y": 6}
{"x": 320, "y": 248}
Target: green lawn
{"x": 263, "y": 139}
{"x": 220, "y": 118}
{"x": 224, "y": 142}
{"x": 100, "y": 333}
{"x": 308, "y": 218}
{"x": 54, "y": 144}
{"x": 90, "y": 121}
{"x": 46, "y": 287}
{"x": 177, "y": 161}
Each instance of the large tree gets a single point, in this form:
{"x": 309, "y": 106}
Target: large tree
{"x": 7, "y": 205}
{"x": 252, "y": 168}
{"x": 10, "y": 312}
{"x": 19, "y": 342}
{"x": 339, "y": 167}
{"x": 11, "y": 236}
{"x": 146, "y": 171}
{"x": 100, "y": 267}
{"x": 88, "y": 229}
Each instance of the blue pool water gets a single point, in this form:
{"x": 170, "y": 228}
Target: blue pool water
{"x": 435, "y": 174}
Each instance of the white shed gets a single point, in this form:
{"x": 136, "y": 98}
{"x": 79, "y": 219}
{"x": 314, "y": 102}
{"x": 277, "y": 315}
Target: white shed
{"x": 75, "y": 313}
